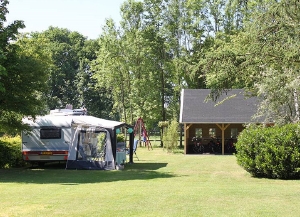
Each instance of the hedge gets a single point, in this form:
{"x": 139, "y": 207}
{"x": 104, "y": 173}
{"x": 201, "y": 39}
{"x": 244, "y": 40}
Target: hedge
{"x": 10, "y": 152}
{"x": 270, "y": 152}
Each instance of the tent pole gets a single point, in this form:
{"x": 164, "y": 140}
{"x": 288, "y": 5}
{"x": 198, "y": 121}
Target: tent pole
{"x": 78, "y": 141}
{"x": 131, "y": 141}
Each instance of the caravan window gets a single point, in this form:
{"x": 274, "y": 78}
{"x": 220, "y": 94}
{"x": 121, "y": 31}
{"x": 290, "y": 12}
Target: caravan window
{"x": 50, "y": 133}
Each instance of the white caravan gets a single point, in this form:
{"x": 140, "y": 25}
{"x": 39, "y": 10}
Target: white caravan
{"x": 54, "y": 138}
{"x": 49, "y": 139}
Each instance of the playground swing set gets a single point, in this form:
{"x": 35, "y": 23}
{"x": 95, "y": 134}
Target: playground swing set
{"x": 140, "y": 129}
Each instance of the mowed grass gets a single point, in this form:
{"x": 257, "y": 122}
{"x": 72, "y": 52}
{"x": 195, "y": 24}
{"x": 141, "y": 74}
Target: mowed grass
{"x": 159, "y": 184}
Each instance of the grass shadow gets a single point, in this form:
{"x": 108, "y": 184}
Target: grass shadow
{"x": 56, "y": 173}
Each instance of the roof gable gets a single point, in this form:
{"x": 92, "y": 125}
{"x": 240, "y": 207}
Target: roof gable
{"x": 195, "y": 109}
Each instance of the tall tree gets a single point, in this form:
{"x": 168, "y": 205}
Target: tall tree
{"x": 264, "y": 59}
{"x": 158, "y": 58}
{"x": 147, "y": 61}
{"x": 66, "y": 51}
{"x": 109, "y": 68}
{"x": 128, "y": 65}
{"x": 96, "y": 99}
{"x": 23, "y": 73}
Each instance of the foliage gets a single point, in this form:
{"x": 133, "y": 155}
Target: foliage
{"x": 10, "y": 152}
{"x": 263, "y": 58}
{"x": 272, "y": 152}
{"x": 120, "y": 137}
{"x": 138, "y": 68}
{"x": 161, "y": 47}
{"x": 23, "y": 73}
{"x": 70, "y": 76}
{"x": 65, "y": 48}
{"x": 154, "y": 54}
{"x": 163, "y": 124}
{"x": 170, "y": 136}
{"x": 111, "y": 73}
{"x": 96, "y": 99}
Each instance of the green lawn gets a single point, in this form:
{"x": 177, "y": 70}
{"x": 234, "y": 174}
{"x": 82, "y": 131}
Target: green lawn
{"x": 159, "y": 184}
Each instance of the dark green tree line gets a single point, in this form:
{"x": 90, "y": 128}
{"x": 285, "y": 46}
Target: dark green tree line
{"x": 70, "y": 76}
{"x": 138, "y": 67}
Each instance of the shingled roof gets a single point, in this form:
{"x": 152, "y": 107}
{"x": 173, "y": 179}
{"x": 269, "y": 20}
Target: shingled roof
{"x": 195, "y": 109}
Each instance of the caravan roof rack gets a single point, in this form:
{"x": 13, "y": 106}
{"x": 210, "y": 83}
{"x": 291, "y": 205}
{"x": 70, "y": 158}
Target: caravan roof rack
{"x": 67, "y": 112}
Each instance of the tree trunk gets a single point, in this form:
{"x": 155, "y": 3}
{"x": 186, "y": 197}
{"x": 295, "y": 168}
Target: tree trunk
{"x": 296, "y": 105}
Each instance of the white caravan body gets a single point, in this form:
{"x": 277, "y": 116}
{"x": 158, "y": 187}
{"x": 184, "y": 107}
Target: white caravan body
{"x": 49, "y": 139}
{"x": 52, "y": 135}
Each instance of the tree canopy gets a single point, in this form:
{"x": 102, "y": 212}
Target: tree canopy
{"x": 137, "y": 68}
{"x": 263, "y": 58}
{"x": 23, "y": 73}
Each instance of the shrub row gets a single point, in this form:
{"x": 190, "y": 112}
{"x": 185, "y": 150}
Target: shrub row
{"x": 10, "y": 152}
{"x": 271, "y": 152}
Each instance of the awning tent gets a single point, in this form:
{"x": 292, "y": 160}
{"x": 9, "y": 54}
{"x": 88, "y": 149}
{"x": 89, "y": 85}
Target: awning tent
{"x": 90, "y": 149}
{"x": 93, "y": 143}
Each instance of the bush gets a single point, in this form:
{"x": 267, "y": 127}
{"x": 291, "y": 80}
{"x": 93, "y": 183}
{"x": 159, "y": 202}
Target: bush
{"x": 170, "y": 137}
{"x": 120, "y": 138}
{"x": 10, "y": 152}
{"x": 272, "y": 152}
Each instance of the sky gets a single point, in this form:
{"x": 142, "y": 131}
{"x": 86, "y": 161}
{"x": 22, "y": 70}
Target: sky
{"x": 84, "y": 16}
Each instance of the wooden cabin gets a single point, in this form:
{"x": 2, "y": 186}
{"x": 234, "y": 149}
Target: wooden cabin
{"x": 218, "y": 123}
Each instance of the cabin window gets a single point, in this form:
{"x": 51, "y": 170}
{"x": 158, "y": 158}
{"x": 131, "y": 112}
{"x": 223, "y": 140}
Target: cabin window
{"x": 198, "y": 132}
{"x": 50, "y": 133}
{"x": 212, "y": 132}
{"x": 233, "y": 133}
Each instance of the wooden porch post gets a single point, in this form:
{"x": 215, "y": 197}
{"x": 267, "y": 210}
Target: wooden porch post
{"x": 223, "y": 128}
{"x": 186, "y": 136}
